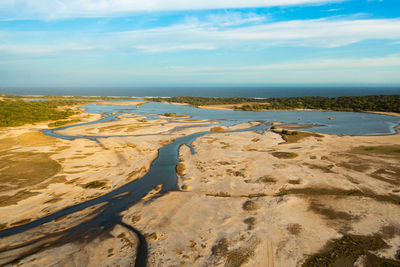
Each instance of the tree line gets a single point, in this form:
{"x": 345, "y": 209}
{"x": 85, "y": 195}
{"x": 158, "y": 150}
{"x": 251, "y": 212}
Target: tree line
{"x": 385, "y": 103}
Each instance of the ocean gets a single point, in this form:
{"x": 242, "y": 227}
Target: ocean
{"x": 250, "y": 92}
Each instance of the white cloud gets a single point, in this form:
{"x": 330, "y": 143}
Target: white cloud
{"x": 55, "y": 9}
{"x": 209, "y": 35}
{"x": 173, "y": 47}
{"x": 38, "y": 50}
{"x": 313, "y": 33}
{"x": 305, "y": 65}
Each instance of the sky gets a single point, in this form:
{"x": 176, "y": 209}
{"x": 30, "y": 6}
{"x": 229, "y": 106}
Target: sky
{"x": 198, "y": 42}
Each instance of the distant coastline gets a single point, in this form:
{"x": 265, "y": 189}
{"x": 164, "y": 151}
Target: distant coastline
{"x": 211, "y": 91}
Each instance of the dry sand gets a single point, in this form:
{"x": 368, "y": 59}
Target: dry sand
{"x": 239, "y": 204}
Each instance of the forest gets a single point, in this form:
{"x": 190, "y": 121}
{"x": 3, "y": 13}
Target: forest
{"x": 17, "y": 112}
{"x": 385, "y": 103}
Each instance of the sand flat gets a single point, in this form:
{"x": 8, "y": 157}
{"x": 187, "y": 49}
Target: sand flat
{"x": 240, "y": 205}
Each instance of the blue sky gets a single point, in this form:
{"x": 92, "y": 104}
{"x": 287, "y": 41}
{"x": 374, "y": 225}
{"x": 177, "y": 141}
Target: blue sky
{"x": 198, "y": 42}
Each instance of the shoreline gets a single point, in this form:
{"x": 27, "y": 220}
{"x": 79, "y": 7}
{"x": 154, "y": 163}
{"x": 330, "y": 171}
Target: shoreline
{"x": 231, "y": 107}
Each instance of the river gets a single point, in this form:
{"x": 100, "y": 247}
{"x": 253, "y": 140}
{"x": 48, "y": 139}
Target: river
{"x": 162, "y": 171}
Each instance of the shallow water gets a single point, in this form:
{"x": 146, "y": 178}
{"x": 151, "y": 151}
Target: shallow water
{"x": 345, "y": 123}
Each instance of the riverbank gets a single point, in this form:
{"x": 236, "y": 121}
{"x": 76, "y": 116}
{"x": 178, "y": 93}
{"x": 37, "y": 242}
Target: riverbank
{"x": 235, "y": 209}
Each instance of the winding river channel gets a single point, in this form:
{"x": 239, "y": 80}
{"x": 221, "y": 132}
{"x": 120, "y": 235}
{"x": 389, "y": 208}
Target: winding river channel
{"x": 162, "y": 171}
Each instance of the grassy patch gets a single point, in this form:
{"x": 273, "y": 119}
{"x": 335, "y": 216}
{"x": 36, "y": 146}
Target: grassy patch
{"x": 267, "y": 179}
{"x": 174, "y": 115}
{"x": 221, "y": 248}
{"x": 340, "y": 192}
{"x": 284, "y": 155}
{"x": 217, "y": 129}
{"x": 345, "y": 251}
{"x": 236, "y": 257}
{"x": 255, "y": 195}
{"x": 389, "y": 175}
{"x": 386, "y": 151}
{"x": 27, "y": 168}
{"x": 326, "y": 169}
{"x": 355, "y": 165}
{"x": 250, "y": 205}
{"x": 239, "y": 256}
{"x": 94, "y": 184}
{"x": 251, "y": 222}
{"x": 294, "y": 228}
{"x": 220, "y": 194}
{"x": 136, "y": 219}
{"x": 63, "y": 123}
{"x": 329, "y": 213}
{"x": 389, "y": 231}
{"x": 35, "y": 139}
{"x": 180, "y": 168}
{"x": 53, "y": 200}
{"x": 291, "y": 137}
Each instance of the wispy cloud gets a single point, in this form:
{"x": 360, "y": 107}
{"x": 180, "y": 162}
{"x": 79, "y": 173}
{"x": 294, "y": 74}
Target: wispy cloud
{"x": 324, "y": 33}
{"x": 209, "y": 35}
{"x": 305, "y": 65}
{"x": 60, "y": 9}
{"x": 173, "y": 47}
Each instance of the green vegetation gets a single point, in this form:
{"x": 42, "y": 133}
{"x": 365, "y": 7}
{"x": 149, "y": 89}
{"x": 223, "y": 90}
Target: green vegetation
{"x": 284, "y": 155}
{"x": 180, "y": 168}
{"x": 94, "y": 184}
{"x": 294, "y": 228}
{"x": 250, "y": 205}
{"x": 389, "y": 151}
{"x": 27, "y": 168}
{"x": 331, "y": 214}
{"x": 386, "y": 103}
{"x": 62, "y": 123}
{"x": 17, "y": 112}
{"x": 251, "y": 222}
{"x": 217, "y": 129}
{"x": 240, "y": 256}
{"x": 90, "y": 98}
{"x": 173, "y": 115}
{"x": 339, "y": 192}
{"x": 294, "y": 136}
{"x": 221, "y": 248}
{"x": 266, "y": 179}
{"x": 220, "y": 194}
{"x": 346, "y": 250}
{"x": 236, "y": 257}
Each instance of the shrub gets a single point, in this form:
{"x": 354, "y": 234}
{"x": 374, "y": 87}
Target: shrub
{"x": 284, "y": 155}
{"x": 250, "y": 205}
{"x": 94, "y": 184}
